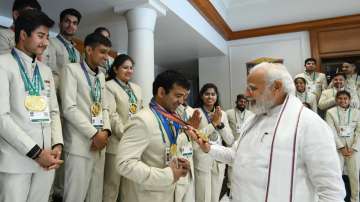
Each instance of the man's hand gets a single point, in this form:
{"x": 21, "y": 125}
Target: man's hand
{"x": 344, "y": 151}
{"x": 100, "y": 140}
{"x": 180, "y": 167}
{"x": 195, "y": 119}
{"x": 216, "y": 118}
{"x": 47, "y": 159}
{"x": 57, "y": 150}
{"x": 204, "y": 146}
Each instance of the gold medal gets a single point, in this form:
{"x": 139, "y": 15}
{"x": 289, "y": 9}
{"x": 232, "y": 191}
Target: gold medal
{"x": 133, "y": 108}
{"x": 35, "y": 103}
{"x": 95, "y": 109}
{"x": 202, "y": 135}
{"x": 173, "y": 149}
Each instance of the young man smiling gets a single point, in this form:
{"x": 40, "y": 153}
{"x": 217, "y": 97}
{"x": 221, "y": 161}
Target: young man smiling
{"x": 30, "y": 137}
{"x": 86, "y": 122}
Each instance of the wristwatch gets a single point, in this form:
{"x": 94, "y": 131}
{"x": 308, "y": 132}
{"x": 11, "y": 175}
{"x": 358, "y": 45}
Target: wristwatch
{"x": 221, "y": 126}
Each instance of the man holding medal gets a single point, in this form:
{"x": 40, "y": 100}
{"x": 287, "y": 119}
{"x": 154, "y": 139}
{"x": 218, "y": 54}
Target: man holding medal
{"x": 86, "y": 122}
{"x": 149, "y": 155}
{"x": 30, "y": 138}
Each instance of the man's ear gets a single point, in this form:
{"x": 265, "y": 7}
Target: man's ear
{"x": 23, "y": 35}
{"x": 278, "y": 85}
{"x": 88, "y": 50}
{"x": 161, "y": 92}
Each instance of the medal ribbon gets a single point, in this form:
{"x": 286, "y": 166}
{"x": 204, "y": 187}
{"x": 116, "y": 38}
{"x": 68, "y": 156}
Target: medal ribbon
{"x": 32, "y": 86}
{"x": 95, "y": 91}
{"x": 129, "y": 92}
{"x": 206, "y": 115}
{"x": 70, "y": 50}
{"x": 166, "y": 123}
{"x": 349, "y": 115}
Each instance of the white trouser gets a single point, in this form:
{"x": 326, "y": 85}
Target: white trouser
{"x": 111, "y": 179}
{"x": 26, "y": 187}
{"x": 208, "y": 184}
{"x": 352, "y": 169}
{"x": 84, "y": 177}
{"x": 185, "y": 192}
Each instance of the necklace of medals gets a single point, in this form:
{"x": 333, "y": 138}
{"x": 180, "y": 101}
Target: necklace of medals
{"x": 95, "y": 92}
{"x": 132, "y": 97}
{"x": 172, "y": 128}
{"x": 70, "y": 50}
{"x": 33, "y": 101}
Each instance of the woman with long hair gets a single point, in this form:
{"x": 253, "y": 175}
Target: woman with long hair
{"x": 209, "y": 174}
{"x": 124, "y": 100}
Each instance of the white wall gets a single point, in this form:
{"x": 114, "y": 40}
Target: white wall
{"x": 216, "y": 70}
{"x": 229, "y": 72}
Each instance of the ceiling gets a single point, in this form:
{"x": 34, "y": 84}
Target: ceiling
{"x": 250, "y": 14}
{"x": 176, "y": 43}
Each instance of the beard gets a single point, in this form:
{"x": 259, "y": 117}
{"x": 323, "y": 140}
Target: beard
{"x": 263, "y": 104}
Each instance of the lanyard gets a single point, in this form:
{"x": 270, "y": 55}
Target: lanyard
{"x": 206, "y": 115}
{"x": 243, "y": 116}
{"x": 349, "y": 114}
{"x": 166, "y": 124}
{"x": 95, "y": 91}
{"x": 70, "y": 50}
{"x": 32, "y": 86}
{"x": 128, "y": 90}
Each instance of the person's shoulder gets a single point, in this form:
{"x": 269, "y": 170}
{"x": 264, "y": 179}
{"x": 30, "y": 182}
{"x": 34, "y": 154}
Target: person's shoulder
{"x": 5, "y": 59}
{"x": 332, "y": 110}
{"x": 145, "y": 116}
{"x": 300, "y": 75}
{"x": 6, "y": 32}
{"x": 310, "y": 119}
{"x": 134, "y": 85}
{"x": 327, "y": 91}
{"x": 229, "y": 111}
{"x": 321, "y": 75}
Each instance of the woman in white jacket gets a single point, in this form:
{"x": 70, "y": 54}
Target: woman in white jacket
{"x": 209, "y": 174}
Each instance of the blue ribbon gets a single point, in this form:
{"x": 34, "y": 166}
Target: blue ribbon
{"x": 166, "y": 123}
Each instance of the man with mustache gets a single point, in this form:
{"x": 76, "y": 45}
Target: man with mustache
{"x": 278, "y": 158}
{"x": 30, "y": 138}
{"x": 238, "y": 115}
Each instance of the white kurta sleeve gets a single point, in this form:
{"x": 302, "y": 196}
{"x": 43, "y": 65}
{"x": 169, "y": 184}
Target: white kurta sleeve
{"x": 223, "y": 154}
{"x": 321, "y": 160}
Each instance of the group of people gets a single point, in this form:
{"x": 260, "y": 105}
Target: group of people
{"x": 338, "y": 104}
{"x": 73, "y": 127}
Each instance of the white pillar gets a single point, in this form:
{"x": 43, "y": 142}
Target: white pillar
{"x": 141, "y": 24}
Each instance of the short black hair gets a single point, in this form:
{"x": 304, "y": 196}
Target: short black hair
{"x": 168, "y": 79}
{"x": 343, "y": 92}
{"x": 119, "y": 60}
{"x": 98, "y": 30}
{"x": 29, "y": 20}
{"x": 340, "y": 74}
{"x": 240, "y": 97}
{"x": 95, "y": 39}
{"x": 20, "y": 5}
{"x": 204, "y": 88}
{"x": 301, "y": 78}
{"x": 310, "y": 60}
{"x": 72, "y": 12}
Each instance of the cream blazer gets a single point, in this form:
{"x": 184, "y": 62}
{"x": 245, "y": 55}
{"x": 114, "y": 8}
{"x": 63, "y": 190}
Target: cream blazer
{"x": 18, "y": 134}
{"x": 76, "y": 103}
{"x": 118, "y": 102}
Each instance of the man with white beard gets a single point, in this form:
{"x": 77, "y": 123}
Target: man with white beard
{"x": 277, "y": 158}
